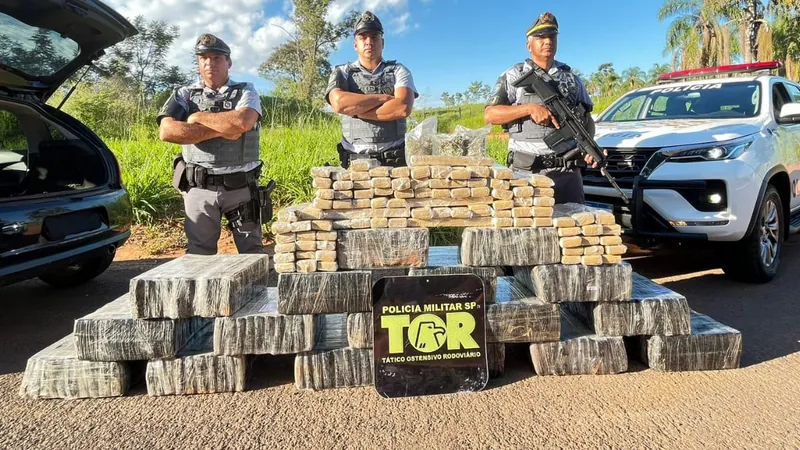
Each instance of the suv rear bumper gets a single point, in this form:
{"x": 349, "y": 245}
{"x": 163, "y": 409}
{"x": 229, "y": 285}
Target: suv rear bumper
{"x": 76, "y": 245}
{"x": 34, "y": 268}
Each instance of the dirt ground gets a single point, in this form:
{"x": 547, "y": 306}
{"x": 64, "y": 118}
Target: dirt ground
{"x": 756, "y": 406}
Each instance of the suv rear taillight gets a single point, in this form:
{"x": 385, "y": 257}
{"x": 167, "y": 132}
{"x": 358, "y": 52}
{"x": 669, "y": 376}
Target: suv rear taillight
{"x": 118, "y": 171}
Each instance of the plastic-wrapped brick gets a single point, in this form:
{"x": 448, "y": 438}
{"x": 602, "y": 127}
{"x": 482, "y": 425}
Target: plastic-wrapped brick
{"x": 324, "y": 292}
{"x": 378, "y": 248}
{"x": 195, "y": 285}
{"x": 112, "y": 334}
{"x": 579, "y": 352}
{"x": 359, "y": 330}
{"x": 56, "y": 372}
{"x": 518, "y": 316}
{"x": 258, "y": 328}
{"x": 445, "y": 261}
{"x": 332, "y": 369}
{"x": 711, "y": 346}
{"x": 509, "y": 246}
{"x": 558, "y": 283}
{"x": 196, "y": 370}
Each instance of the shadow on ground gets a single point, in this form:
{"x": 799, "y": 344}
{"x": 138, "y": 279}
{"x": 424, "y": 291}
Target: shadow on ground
{"x": 35, "y": 315}
{"x": 766, "y": 314}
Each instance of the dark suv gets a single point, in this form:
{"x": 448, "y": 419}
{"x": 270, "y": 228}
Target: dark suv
{"x": 63, "y": 209}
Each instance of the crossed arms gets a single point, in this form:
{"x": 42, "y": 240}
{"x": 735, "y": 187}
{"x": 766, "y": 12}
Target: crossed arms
{"x": 380, "y": 107}
{"x": 202, "y": 126}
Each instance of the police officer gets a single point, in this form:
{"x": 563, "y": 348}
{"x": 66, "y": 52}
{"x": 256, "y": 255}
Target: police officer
{"x": 521, "y": 112}
{"x": 216, "y": 123}
{"x": 374, "y": 98}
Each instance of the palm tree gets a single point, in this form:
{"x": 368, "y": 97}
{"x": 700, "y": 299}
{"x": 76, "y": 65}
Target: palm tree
{"x": 749, "y": 17}
{"x": 633, "y": 77}
{"x": 786, "y": 38}
{"x": 658, "y": 69}
{"x": 605, "y": 81}
{"x": 696, "y": 38}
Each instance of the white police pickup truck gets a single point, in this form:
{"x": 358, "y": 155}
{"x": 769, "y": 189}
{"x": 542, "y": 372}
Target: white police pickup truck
{"x": 711, "y": 159}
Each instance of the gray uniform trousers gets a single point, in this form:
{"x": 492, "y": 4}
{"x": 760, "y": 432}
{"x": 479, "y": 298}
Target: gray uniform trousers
{"x": 204, "y": 209}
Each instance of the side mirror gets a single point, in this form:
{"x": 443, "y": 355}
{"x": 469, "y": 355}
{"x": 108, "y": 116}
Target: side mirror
{"x": 790, "y": 113}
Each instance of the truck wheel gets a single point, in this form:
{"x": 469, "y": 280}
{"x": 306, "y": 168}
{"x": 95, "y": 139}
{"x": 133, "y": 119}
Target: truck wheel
{"x": 78, "y": 273}
{"x": 756, "y": 258}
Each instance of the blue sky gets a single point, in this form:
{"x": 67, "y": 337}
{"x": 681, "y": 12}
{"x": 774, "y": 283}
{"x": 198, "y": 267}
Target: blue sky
{"x": 450, "y": 43}
{"x": 446, "y": 43}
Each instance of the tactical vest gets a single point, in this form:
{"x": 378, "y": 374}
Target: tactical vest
{"x": 526, "y": 129}
{"x": 360, "y": 131}
{"x": 221, "y": 152}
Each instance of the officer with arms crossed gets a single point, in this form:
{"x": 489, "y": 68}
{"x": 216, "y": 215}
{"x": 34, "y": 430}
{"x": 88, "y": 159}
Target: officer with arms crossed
{"x": 216, "y": 122}
{"x": 374, "y": 97}
{"x": 528, "y": 121}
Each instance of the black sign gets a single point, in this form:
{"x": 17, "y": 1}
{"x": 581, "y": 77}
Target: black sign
{"x": 430, "y": 335}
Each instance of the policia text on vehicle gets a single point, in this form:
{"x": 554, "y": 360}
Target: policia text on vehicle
{"x": 216, "y": 122}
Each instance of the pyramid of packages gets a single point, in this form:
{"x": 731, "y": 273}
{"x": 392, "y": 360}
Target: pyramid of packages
{"x": 554, "y": 280}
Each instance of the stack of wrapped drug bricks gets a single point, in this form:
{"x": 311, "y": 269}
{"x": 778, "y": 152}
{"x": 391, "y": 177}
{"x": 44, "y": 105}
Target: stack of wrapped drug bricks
{"x": 164, "y": 323}
{"x": 435, "y": 191}
{"x": 196, "y": 320}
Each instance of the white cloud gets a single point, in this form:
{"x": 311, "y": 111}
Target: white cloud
{"x": 400, "y": 23}
{"x": 243, "y": 25}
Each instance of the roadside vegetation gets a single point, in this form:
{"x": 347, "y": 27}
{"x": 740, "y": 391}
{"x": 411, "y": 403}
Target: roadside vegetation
{"x": 121, "y": 97}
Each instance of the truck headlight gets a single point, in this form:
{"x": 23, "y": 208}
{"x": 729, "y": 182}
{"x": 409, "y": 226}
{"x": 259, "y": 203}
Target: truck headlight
{"x": 723, "y": 150}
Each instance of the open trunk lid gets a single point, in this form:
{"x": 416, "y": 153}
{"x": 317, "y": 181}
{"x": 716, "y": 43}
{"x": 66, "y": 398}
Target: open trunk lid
{"x": 46, "y": 41}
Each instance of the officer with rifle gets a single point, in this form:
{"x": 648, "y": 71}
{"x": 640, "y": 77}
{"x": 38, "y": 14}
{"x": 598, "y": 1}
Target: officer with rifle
{"x": 528, "y": 120}
{"x": 216, "y": 123}
{"x": 374, "y": 97}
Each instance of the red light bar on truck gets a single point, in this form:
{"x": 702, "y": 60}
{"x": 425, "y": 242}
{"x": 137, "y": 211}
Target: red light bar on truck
{"x": 733, "y": 68}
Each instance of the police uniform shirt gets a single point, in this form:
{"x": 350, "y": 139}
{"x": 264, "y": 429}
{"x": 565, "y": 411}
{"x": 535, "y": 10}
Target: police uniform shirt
{"x": 177, "y": 107}
{"x": 506, "y": 94}
{"x": 338, "y": 79}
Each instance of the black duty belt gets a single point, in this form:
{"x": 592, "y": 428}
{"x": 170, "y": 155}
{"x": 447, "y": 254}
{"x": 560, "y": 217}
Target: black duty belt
{"x": 198, "y": 176}
{"x": 234, "y": 180}
{"x": 535, "y": 163}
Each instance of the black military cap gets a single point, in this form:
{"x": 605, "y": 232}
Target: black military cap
{"x": 209, "y": 43}
{"x": 368, "y": 22}
{"x": 545, "y": 25}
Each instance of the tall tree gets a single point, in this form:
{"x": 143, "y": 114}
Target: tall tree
{"x": 696, "y": 37}
{"x": 633, "y": 77}
{"x": 447, "y": 99}
{"x": 486, "y": 92}
{"x": 786, "y": 37}
{"x": 605, "y": 81}
{"x": 301, "y": 65}
{"x": 142, "y": 59}
{"x": 655, "y": 71}
{"x": 749, "y": 17}
{"x": 473, "y": 93}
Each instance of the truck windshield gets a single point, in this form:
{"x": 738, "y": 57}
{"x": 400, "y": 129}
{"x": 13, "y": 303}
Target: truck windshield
{"x": 695, "y": 101}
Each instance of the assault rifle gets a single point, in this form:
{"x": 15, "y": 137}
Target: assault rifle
{"x": 571, "y": 129}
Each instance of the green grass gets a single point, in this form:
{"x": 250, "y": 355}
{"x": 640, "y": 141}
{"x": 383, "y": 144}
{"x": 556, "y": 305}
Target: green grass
{"x": 288, "y": 152}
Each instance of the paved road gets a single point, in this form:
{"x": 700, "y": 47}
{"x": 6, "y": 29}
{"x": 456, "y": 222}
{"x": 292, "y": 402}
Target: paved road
{"x": 757, "y": 406}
